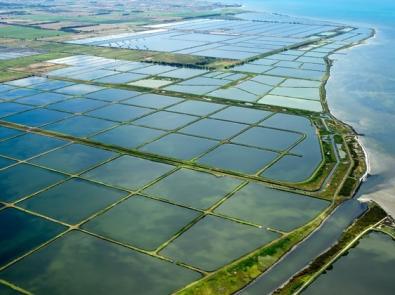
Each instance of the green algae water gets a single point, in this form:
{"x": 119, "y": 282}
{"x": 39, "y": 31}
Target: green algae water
{"x": 361, "y": 92}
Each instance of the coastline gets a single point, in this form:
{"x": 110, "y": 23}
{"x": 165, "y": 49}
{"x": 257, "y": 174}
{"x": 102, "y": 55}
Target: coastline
{"x": 362, "y": 172}
{"x": 357, "y": 138}
{"x": 362, "y": 179}
{"x": 290, "y": 283}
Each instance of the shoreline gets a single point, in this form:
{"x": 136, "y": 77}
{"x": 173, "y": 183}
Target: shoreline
{"x": 362, "y": 179}
{"x": 362, "y": 172}
{"x": 368, "y": 198}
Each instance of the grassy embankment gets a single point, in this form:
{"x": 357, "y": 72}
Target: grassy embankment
{"x": 388, "y": 229}
{"x": 353, "y": 233}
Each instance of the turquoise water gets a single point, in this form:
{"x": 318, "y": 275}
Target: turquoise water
{"x": 379, "y": 13}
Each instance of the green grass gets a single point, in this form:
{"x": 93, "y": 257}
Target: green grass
{"x": 87, "y": 19}
{"x": 387, "y": 229}
{"x": 28, "y": 60}
{"x": 21, "y": 32}
{"x": 8, "y": 76}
